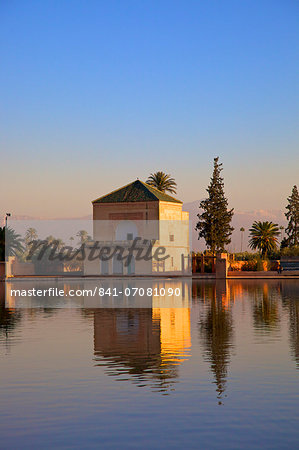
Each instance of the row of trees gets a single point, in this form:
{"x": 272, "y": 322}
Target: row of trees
{"x": 16, "y": 246}
{"x": 214, "y": 220}
{"x": 264, "y": 235}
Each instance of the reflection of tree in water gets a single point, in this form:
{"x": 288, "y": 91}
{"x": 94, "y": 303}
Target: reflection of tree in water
{"x": 265, "y": 309}
{"x": 290, "y": 299}
{"x": 8, "y": 320}
{"x": 9, "y": 317}
{"x": 216, "y": 334}
{"x": 294, "y": 329}
{"x": 202, "y": 290}
{"x": 127, "y": 342}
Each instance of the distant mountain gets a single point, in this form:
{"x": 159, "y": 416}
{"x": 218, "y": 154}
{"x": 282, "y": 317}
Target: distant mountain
{"x": 240, "y": 219}
{"x": 24, "y": 217}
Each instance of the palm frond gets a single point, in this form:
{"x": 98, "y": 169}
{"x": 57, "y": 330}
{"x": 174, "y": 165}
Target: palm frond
{"x": 162, "y": 181}
{"x": 263, "y": 236}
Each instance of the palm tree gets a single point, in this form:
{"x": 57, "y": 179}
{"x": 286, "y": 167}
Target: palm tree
{"x": 84, "y": 236}
{"x": 31, "y": 235}
{"x": 162, "y": 181}
{"x": 12, "y": 241}
{"x": 56, "y": 242}
{"x": 242, "y": 229}
{"x": 264, "y": 236}
{"x": 59, "y": 243}
{"x": 50, "y": 239}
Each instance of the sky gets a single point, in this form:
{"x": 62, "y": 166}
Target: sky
{"x": 94, "y": 94}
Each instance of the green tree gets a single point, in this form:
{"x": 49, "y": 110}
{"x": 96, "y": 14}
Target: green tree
{"x": 263, "y": 236}
{"x": 12, "y": 241}
{"x": 162, "y": 181}
{"x": 31, "y": 235}
{"x": 60, "y": 244}
{"x": 50, "y": 239}
{"x": 214, "y": 223}
{"x": 83, "y": 236}
{"x": 55, "y": 242}
{"x": 292, "y": 216}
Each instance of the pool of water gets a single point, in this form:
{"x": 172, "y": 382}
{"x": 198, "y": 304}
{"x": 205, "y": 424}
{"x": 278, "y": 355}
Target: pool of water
{"x": 221, "y": 372}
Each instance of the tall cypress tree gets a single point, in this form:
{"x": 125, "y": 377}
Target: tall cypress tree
{"x": 214, "y": 222}
{"x": 292, "y": 216}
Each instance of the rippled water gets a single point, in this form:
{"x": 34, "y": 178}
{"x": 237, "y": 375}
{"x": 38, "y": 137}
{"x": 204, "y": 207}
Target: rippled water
{"x": 220, "y": 374}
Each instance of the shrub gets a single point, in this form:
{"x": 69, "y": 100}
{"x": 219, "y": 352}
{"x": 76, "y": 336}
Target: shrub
{"x": 245, "y": 256}
{"x": 273, "y": 255}
{"x": 273, "y": 265}
{"x": 290, "y": 251}
{"x": 208, "y": 266}
{"x": 260, "y": 266}
{"x": 249, "y": 266}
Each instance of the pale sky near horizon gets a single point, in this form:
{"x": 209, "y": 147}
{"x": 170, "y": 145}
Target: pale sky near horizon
{"x": 95, "y": 94}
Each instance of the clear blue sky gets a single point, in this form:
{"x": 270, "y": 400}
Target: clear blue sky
{"x": 97, "y": 93}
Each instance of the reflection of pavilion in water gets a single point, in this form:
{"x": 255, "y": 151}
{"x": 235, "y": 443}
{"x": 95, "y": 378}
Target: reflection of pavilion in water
{"x": 144, "y": 338}
{"x": 145, "y": 345}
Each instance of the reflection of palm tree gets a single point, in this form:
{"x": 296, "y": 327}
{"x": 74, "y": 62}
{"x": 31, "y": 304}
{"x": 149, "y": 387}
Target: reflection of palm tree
{"x": 265, "y": 311}
{"x": 216, "y": 332}
{"x": 10, "y": 243}
{"x": 162, "y": 181}
{"x": 8, "y": 317}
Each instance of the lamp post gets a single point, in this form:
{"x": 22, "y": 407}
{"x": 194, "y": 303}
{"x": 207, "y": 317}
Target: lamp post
{"x": 242, "y": 229}
{"x": 7, "y": 215}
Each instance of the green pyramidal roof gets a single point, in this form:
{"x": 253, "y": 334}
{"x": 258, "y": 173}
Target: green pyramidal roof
{"x": 136, "y": 192}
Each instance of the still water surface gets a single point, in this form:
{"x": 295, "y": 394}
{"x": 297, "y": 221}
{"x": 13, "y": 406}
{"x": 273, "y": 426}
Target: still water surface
{"x": 222, "y": 373}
